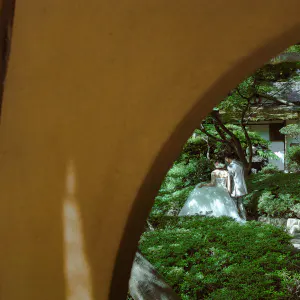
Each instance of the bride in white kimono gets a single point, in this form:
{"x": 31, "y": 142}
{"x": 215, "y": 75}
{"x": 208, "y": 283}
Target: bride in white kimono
{"x": 212, "y": 199}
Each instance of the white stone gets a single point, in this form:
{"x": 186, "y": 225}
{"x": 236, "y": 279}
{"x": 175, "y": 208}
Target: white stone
{"x": 293, "y": 226}
{"x": 273, "y": 221}
{"x": 297, "y": 246}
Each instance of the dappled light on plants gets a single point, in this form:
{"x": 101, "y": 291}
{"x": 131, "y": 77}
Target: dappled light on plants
{"x": 216, "y": 258}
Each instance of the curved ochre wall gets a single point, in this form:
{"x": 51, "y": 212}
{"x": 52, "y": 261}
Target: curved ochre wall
{"x": 100, "y": 96}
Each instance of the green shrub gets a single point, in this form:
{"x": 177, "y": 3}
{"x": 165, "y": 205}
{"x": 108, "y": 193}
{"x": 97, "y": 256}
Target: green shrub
{"x": 170, "y": 203}
{"x": 269, "y": 169}
{"x": 194, "y": 148}
{"x": 179, "y": 182}
{"x": 218, "y": 258}
{"x": 272, "y": 206}
{"x": 163, "y": 222}
{"x": 296, "y": 210}
{"x": 184, "y": 174}
{"x": 291, "y": 130}
{"x": 293, "y": 158}
{"x": 276, "y": 188}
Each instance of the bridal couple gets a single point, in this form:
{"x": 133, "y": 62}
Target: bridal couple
{"x": 223, "y": 196}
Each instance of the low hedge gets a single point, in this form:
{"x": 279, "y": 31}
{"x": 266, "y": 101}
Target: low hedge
{"x": 218, "y": 258}
{"x": 274, "y": 195}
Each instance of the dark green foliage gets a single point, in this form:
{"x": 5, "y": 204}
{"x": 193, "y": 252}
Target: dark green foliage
{"x": 272, "y": 205}
{"x": 293, "y": 158}
{"x": 291, "y": 130}
{"x": 170, "y": 202}
{"x": 270, "y": 169}
{"x": 190, "y": 168}
{"x": 273, "y": 194}
{"x": 178, "y": 183}
{"x": 162, "y": 222}
{"x": 277, "y": 72}
{"x": 194, "y": 148}
{"x": 293, "y": 153}
{"x": 217, "y": 258}
{"x": 187, "y": 173}
{"x": 293, "y": 49}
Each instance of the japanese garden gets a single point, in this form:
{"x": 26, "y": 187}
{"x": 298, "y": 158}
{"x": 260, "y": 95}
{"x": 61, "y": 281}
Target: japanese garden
{"x": 202, "y": 256}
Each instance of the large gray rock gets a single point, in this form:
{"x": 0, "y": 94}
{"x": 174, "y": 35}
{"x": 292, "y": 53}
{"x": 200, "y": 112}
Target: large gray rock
{"x": 296, "y": 241}
{"x": 274, "y": 221}
{"x": 146, "y": 284}
{"x": 293, "y": 226}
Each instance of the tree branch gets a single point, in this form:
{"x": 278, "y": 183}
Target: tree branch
{"x": 281, "y": 101}
{"x": 208, "y": 146}
{"x": 236, "y": 142}
{"x": 202, "y": 128}
{"x": 219, "y": 131}
{"x": 216, "y": 117}
{"x": 241, "y": 95}
{"x": 249, "y": 142}
{"x": 245, "y": 110}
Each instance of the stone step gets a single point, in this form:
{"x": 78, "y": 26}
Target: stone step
{"x": 297, "y": 245}
{"x": 296, "y": 235}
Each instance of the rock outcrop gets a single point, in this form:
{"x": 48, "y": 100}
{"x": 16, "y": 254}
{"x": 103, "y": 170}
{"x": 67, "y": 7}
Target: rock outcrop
{"x": 146, "y": 284}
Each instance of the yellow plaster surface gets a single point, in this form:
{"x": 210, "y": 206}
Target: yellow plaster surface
{"x": 103, "y": 94}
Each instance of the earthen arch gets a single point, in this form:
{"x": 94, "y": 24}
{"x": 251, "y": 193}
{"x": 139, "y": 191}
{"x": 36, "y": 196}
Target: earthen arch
{"x": 110, "y": 91}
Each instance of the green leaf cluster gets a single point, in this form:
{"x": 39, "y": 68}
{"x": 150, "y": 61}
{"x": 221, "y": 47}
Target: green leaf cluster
{"x": 293, "y": 159}
{"x": 292, "y": 130}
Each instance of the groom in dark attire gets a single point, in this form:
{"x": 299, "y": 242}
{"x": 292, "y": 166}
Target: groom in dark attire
{"x": 238, "y": 184}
